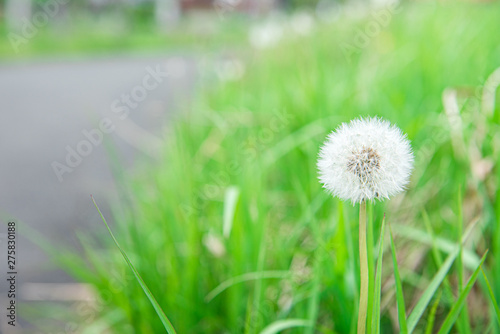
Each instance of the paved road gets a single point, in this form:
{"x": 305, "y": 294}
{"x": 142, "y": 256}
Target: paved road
{"x": 45, "y": 107}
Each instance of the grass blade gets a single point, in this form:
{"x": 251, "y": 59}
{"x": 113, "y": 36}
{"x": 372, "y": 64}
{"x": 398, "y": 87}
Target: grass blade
{"x": 492, "y": 296}
{"x": 295, "y": 139}
{"x": 230, "y": 202}
{"x": 166, "y": 323}
{"x": 432, "y": 315}
{"x": 314, "y": 300}
{"x": 448, "y": 293}
{"x": 378, "y": 283}
{"x": 403, "y": 327}
{"x": 470, "y": 259}
{"x": 281, "y": 325}
{"x": 457, "y": 307}
{"x": 464, "y": 316}
{"x": 431, "y": 290}
{"x": 245, "y": 278}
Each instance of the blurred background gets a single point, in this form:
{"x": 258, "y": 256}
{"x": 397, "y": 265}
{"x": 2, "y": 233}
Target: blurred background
{"x": 196, "y": 124}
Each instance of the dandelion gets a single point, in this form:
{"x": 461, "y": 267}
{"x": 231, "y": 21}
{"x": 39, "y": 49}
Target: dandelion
{"x": 364, "y": 160}
{"x": 361, "y": 161}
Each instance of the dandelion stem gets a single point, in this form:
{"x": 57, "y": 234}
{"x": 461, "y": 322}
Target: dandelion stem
{"x": 363, "y": 264}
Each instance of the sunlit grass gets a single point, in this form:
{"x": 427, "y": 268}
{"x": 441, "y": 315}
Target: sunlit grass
{"x": 237, "y": 198}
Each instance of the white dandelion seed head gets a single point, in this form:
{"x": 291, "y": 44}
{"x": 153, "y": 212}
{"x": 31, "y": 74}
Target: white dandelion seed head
{"x": 365, "y": 159}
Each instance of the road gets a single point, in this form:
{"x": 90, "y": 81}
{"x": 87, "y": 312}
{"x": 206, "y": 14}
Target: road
{"x": 55, "y": 116}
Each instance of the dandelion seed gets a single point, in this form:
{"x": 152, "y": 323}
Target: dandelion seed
{"x": 364, "y": 160}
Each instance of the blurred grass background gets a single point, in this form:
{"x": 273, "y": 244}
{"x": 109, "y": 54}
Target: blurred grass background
{"x": 237, "y": 199}
{"x": 85, "y": 38}
{"x": 85, "y": 27}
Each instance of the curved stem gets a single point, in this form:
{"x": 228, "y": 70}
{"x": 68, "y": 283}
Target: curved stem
{"x": 363, "y": 264}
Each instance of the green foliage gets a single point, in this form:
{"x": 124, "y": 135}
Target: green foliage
{"x": 457, "y": 307}
{"x": 403, "y": 327}
{"x": 164, "y": 319}
{"x": 378, "y": 283}
{"x": 236, "y": 206}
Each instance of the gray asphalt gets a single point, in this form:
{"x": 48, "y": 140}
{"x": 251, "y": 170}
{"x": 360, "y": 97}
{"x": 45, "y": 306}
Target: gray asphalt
{"x": 45, "y": 106}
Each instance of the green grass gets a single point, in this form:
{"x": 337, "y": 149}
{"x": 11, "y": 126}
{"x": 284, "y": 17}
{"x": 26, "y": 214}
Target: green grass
{"x": 378, "y": 283}
{"x": 86, "y": 37}
{"x": 403, "y": 326}
{"x": 236, "y": 202}
{"x": 164, "y": 319}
